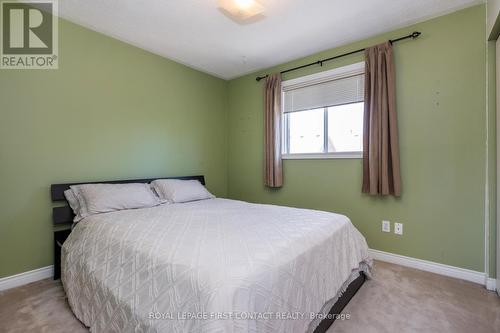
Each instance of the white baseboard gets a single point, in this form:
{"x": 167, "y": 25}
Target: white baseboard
{"x": 424, "y": 265}
{"x": 434, "y": 267}
{"x": 26, "y": 277}
{"x": 491, "y": 284}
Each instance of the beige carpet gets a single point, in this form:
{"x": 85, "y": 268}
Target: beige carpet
{"x": 398, "y": 299}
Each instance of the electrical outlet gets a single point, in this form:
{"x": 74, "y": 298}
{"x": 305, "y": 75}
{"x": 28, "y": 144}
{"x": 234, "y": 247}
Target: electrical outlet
{"x": 386, "y": 226}
{"x": 398, "y": 228}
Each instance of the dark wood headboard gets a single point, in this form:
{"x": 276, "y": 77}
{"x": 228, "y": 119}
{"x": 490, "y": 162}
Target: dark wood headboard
{"x": 64, "y": 214}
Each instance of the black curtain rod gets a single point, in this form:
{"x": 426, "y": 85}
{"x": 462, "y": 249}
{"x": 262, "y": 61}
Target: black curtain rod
{"x": 413, "y": 35}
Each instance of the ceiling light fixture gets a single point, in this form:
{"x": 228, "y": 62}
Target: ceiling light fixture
{"x": 241, "y": 9}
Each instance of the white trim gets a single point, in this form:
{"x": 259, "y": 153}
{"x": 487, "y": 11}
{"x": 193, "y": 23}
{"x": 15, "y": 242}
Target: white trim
{"x": 333, "y": 74}
{"x": 424, "y": 265}
{"x": 434, "y": 267}
{"x": 491, "y": 284}
{"x": 497, "y": 173}
{"x": 487, "y": 174}
{"x": 349, "y": 154}
{"x": 26, "y": 277}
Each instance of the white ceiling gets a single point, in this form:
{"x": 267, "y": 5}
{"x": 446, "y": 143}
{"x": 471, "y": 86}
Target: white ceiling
{"x": 197, "y": 34}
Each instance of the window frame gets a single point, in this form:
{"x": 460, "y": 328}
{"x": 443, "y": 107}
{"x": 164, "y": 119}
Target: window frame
{"x": 308, "y": 80}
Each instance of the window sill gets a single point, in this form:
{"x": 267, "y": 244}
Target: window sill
{"x": 345, "y": 155}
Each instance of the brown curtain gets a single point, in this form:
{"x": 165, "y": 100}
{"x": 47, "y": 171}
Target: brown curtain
{"x": 381, "y": 174}
{"x": 272, "y": 136}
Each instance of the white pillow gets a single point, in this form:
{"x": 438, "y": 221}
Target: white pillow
{"x": 177, "y": 190}
{"x": 102, "y": 198}
{"x": 74, "y": 204}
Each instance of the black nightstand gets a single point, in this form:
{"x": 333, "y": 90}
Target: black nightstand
{"x": 59, "y": 238}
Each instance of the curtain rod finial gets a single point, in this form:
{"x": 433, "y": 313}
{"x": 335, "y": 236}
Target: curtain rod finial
{"x": 258, "y": 78}
{"x": 415, "y": 34}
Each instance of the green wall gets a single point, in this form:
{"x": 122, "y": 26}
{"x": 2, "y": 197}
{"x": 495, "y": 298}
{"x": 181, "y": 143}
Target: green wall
{"x": 441, "y": 99}
{"x": 111, "y": 111}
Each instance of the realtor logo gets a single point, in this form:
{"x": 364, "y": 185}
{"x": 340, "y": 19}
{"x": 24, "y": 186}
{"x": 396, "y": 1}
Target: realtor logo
{"x": 28, "y": 35}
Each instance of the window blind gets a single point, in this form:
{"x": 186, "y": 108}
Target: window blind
{"x": 334, "y": 92}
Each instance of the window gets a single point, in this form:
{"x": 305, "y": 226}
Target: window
{"x": 323, "y": 114}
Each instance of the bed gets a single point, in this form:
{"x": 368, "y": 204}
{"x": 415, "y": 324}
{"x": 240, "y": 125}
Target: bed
{"x": 214, "y": 265}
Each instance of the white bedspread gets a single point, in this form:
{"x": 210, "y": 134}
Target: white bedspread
{"x": 209, "y": 266}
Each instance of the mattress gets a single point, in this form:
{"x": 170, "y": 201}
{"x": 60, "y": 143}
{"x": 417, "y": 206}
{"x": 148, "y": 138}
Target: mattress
{"x": 214, "y": 265}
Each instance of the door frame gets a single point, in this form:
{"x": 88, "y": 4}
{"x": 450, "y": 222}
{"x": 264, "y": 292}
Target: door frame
{"x": 497, "y": 60}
